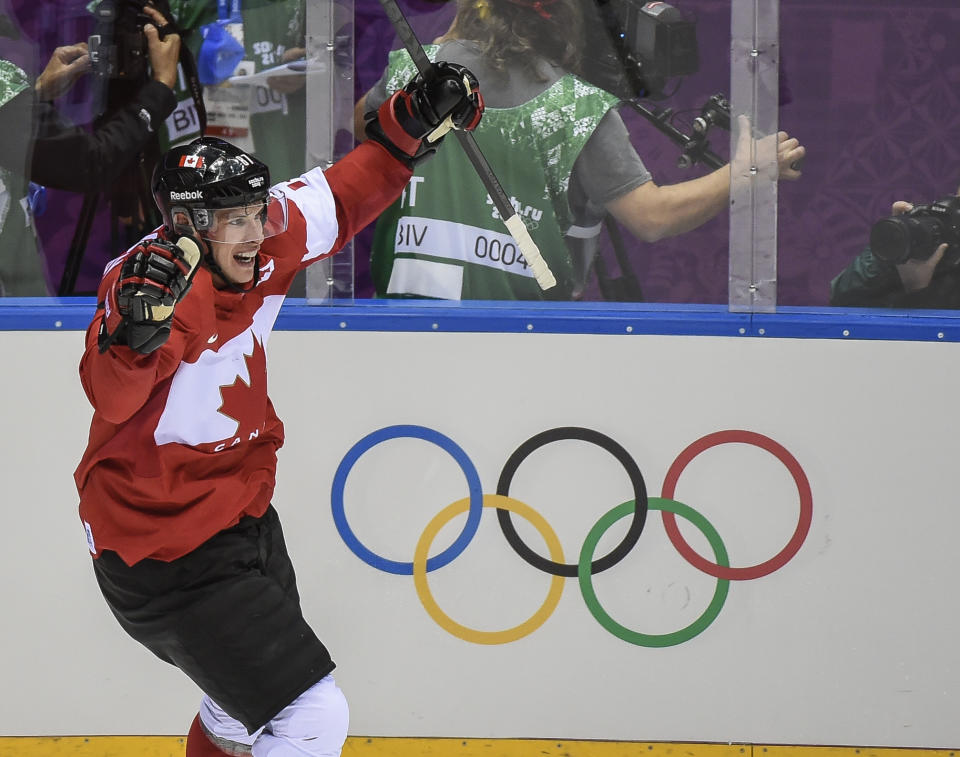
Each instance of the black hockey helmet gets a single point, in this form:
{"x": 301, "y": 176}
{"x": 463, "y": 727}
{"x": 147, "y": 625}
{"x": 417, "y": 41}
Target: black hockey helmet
{"x": 210, "y": 174}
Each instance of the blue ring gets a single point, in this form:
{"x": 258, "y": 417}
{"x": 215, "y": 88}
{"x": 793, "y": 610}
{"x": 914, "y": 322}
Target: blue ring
{"x": 417, "y": 432}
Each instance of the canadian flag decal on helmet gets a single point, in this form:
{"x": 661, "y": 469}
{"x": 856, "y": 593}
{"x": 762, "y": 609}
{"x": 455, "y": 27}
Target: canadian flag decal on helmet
{"x": 191, "y": 161}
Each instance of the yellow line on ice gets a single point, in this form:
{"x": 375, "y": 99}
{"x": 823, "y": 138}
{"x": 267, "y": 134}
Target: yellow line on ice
{"x": 361, "y": 746}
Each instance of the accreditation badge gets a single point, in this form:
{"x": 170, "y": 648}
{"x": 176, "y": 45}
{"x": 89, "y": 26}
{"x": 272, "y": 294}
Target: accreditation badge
{"x": 228, "y": 109}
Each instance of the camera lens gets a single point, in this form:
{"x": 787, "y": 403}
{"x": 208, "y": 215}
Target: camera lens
{"x": 890, "y": 240}
{"x": 914, "y": 235}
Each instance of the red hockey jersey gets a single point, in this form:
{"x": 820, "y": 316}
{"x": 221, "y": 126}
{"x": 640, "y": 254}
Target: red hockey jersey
{"x": 184, "y": 441}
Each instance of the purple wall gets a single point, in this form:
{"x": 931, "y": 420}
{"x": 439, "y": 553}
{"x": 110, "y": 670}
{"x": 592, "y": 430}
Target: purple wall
{"x": 876, "y": 89}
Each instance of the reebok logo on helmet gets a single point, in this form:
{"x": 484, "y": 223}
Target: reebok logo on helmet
{"x": 190, "y": 195}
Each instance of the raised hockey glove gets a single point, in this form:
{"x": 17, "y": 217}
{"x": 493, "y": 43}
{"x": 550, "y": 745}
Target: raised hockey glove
{"x": 414, "y": 120}
{"x": 153, "y": 279}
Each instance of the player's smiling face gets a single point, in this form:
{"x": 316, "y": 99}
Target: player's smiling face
{"x": 234, "y": 240}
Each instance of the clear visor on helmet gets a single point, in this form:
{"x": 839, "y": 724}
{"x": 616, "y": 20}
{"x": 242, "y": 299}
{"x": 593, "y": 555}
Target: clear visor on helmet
{"x": 242, "y": 224}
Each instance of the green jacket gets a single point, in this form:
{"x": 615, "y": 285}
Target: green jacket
{"x": 445, "y": 239}
{"x": 869, "y": 282}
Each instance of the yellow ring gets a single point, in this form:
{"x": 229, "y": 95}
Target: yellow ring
{"x": 445, "y": 621}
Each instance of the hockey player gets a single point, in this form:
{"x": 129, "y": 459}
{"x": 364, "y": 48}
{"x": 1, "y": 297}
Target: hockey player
{"x": 176, "y": 482}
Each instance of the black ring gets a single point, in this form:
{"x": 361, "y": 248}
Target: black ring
{"x": 636, "y": 480}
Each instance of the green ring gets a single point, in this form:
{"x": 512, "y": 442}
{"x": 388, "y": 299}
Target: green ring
{"x": 635, "y": 637}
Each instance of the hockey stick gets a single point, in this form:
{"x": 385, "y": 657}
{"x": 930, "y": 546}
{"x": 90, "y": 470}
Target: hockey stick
{"x": 512, "y": 220}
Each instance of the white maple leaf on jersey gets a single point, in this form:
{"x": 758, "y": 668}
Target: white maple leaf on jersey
{"x": 192, "y": 411}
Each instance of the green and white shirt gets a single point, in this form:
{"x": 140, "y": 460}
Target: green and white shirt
{"x": 445, "y": 239}
{"x": 21, "y": 270}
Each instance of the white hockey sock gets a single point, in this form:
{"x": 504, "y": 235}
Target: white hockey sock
{"x": 313, "y": 725}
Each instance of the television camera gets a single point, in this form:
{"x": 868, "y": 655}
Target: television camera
{"x": 635, "y": 49}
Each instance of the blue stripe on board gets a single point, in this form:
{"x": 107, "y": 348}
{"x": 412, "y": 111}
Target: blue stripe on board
{"x": 74, "y": 313}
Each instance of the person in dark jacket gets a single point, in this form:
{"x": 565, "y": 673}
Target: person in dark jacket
{"x": 871, "y": 282}
{"x": 39, "y": 146}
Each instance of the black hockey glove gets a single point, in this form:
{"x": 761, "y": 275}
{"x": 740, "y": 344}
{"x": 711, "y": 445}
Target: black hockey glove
{"x": 412, "y": 122}
{"x": 153, "y": 279}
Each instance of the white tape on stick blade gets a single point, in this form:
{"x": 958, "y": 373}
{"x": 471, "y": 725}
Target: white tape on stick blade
{"x": 530, "y": 251}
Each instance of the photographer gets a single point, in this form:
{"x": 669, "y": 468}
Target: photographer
{"x": 929, "y": 280}
{"x": 558, "y": 146}
{"x": 40, "y": 146}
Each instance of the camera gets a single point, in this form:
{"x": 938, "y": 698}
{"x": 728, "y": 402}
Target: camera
{"x": 715, "y": 112}
{"x": 917, "y": 233}
{"x": 634, "y": 47}
{"x": 118, "y": 46}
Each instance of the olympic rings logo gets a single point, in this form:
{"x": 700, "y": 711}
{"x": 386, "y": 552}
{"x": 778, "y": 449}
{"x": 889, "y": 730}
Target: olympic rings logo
{"x": 586, "y": 566}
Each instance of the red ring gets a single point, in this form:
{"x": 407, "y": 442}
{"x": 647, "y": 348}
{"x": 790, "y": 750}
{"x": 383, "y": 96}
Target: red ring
{"x": 799, "y": 477}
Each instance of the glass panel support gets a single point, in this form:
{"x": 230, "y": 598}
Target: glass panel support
{"x": 754, "y": 103}
{"x": 329, "y": 114}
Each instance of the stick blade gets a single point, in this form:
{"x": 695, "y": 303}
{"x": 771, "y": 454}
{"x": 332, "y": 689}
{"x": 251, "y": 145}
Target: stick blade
{"x": 530, "y": 251}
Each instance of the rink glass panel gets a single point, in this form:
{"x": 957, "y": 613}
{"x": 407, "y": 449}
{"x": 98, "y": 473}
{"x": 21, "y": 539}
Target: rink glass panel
{"x": 330, "y": 98}
{"x": 869, "y": 87}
